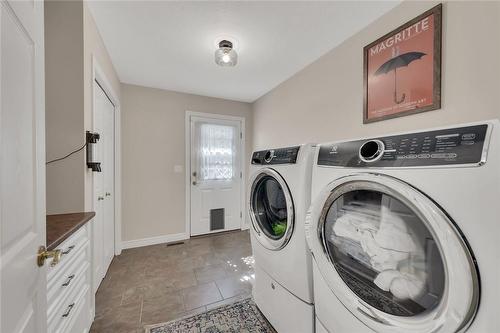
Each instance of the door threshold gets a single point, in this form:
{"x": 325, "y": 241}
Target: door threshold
{"x": 222, "y": 232}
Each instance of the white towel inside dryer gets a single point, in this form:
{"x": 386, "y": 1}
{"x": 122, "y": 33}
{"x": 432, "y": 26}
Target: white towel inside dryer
{"x": 402, "y": 284}
{"x": 388, "y": 243}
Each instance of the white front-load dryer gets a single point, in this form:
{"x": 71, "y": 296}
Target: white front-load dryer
{"x": 404, "y": 231}
{"x": 278, "y": 201}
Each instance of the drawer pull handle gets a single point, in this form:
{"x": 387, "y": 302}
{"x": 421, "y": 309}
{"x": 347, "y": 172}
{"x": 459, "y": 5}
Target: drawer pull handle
{"x": 70, "y": 307}
{"x": 71, "y": 277}
{"x": 68, "y": 250}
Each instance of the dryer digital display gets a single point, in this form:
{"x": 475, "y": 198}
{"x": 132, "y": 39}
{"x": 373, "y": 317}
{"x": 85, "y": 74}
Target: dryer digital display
{"x": 454, "y": 146}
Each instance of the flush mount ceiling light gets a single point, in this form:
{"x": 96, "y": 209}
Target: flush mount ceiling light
{"x": 225, "y": 55}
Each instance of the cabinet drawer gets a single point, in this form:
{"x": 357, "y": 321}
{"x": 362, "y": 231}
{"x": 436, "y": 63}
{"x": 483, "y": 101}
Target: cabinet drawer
{"x": 79, "y": 320}
{"x": 68, "y": 308}
{"x": 59, "y": 287}
{"x": 69, "y": 248}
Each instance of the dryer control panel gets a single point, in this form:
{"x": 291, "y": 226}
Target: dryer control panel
{"x": 276, "y": 156}
{"x": 452, "y": 146}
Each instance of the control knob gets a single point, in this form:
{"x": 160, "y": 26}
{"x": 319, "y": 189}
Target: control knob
{"x": 371, "y": 151}
{"x": 269, "y": 156}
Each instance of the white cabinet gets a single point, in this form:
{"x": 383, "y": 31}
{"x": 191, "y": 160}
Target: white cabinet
{"x": 69, "y": 297}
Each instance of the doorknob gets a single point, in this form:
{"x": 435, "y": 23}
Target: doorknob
{"x": 43, "y": 255}
{"x": 194, "y": 182}
{"x": 108, "y": 194}
{"x": 100, "y": 198}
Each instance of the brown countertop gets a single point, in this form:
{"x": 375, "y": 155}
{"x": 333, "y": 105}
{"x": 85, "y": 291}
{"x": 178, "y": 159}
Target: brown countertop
{"x": 61, "y": 226}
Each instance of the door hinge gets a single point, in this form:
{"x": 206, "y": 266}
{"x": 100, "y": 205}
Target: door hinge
{"x": 241, "y": 174}
{"x": 241, "y": 215}
{"x": 241, "y": 135}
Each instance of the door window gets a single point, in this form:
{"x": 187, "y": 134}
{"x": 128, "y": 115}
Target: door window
{"x": 270, "y": 207}
{"x": 216, "y": 152}
{"x": 384, "y": 252}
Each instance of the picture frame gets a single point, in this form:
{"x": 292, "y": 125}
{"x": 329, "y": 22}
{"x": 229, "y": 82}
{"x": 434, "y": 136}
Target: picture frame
{"x": 402, "y": 69}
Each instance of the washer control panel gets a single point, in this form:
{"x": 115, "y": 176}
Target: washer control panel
{"x": 453, "y": 146}
{"x": 276, "y": 156}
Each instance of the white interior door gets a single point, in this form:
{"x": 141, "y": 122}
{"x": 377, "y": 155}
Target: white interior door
{"x": 108, "y": 169}
{"x": 104, "y": 221}
{"x": 216, "y": 177}
{"x": 98, "y": 220}
{"x": 22, "y": 168}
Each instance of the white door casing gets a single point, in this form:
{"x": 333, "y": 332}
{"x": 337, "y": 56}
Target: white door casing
{"x": 104, "y": 221}
{"x": 22, "y": 167}
{"x": 205, "y": 193}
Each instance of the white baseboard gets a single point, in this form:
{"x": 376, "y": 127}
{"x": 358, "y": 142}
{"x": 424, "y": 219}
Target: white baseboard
{"x": 154, "y": 240}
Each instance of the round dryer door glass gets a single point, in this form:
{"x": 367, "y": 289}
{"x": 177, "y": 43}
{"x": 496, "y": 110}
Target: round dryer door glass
{"x": 270, "y": 207}
{"x": 383, "y": 251}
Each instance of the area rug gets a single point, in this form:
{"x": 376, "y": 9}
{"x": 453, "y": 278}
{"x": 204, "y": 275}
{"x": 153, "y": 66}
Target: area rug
{"x": 241, "y": 316}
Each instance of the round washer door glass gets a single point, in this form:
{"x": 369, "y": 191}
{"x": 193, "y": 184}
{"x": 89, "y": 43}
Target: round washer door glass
{"x": 384, "y": 252}
{"x": 269, "y": 205}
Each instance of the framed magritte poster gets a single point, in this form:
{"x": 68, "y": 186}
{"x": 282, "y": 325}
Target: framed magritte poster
{"x": 402, "y": 70}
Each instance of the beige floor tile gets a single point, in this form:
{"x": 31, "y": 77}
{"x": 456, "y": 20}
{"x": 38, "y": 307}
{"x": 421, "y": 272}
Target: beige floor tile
{"x": 201, "y": 295}
{"x": 122, "y": 318}
{"x": 163, "y": 308}
{"x": 160, "y": 283}
{"x": 210, "y": 273}
{"x": 234, "y": 286}
{"x": 205, "y": 260}
{"x": 226, "y": 301}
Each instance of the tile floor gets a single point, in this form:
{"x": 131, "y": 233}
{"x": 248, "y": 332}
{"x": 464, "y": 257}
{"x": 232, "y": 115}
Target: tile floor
{"x": 159, "y": 283}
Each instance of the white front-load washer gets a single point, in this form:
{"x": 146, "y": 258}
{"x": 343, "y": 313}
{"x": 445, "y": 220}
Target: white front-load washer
{"x": 404, "y": 231}
{"x": 278, "y": 201}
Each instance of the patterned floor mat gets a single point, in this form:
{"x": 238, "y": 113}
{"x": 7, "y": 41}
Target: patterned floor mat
{"x": 242, "y": 316}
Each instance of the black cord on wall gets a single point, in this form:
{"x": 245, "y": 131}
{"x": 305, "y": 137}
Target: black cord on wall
{"x": 64, "y": 157}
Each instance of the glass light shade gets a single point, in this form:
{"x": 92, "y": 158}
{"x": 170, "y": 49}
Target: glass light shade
{"x": 226, "y": 56}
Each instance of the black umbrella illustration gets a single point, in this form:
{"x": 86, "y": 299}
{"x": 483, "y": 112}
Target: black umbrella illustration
{"x": 398, "y": 61}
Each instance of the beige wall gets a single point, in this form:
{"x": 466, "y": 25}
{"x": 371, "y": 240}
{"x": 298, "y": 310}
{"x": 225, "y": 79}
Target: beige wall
{"x": 71, "y": 39}
{"x": 64, "y": 105}
{"x": 152, "y": 144}
{"x": 324, "y": 101}
{"x": 94, "y": 50}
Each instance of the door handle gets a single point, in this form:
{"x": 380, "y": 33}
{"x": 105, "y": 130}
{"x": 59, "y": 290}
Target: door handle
{"x": 100, "y": 198}
{"x": 194, "y": 182}
{"x": 43, "y": 255}
{"x": 108, "y": 194}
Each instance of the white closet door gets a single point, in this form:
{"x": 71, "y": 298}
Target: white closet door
{"x": 104, "y": 221}
{"x": 98, "y": 221}
{"x": 108, "y": 168}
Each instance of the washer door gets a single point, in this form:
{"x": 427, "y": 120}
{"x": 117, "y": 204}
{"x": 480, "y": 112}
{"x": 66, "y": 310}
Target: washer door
{"x": 392, "y": 256}
{"x": 271, "y": 209}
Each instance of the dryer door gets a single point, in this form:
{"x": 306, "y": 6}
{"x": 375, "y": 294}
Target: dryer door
{"x": 271, "y": 209}
{"x": 392, "y": 256}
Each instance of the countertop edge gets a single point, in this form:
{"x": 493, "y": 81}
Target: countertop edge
{"x": 68, "y": 225}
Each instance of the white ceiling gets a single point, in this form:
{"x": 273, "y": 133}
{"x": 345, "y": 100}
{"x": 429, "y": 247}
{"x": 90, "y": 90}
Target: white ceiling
{"x": 171, "y": 45}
